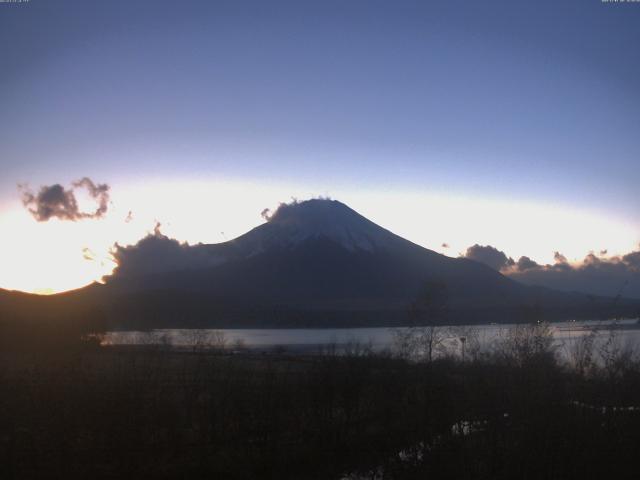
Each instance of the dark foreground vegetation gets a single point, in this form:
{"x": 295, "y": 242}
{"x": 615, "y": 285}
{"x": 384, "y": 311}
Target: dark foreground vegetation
{"x": 149, "y": 412}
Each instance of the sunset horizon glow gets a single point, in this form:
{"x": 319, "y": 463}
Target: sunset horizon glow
{"x": 78, "y": 253}
{"x": 508, "y": 124}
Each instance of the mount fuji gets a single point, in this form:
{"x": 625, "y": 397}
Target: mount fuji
{"x": 317, "y": 263}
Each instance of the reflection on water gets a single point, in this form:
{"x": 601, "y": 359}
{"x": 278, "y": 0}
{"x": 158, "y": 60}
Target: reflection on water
{"x": 377, "y": 339}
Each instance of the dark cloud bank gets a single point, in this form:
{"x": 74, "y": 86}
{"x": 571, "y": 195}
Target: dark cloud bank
{"x": 596, "y": 275}
{"x": 55, "y": 201}
{"x": 489, "y": 256}
{"x": 158, "y": 253}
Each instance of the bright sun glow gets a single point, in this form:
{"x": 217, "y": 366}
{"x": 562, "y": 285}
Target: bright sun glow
{"x": 56, "y": 256}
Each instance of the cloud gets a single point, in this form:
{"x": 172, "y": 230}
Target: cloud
{"x": 284, "y": 209}
{"x": 87, "y": 254}
{"x": 632, "y": 259}
{"x": 525, "y": 263}
{"x": 618, "y": 275}
{"x": 597, "y": 275}
{"x": 490, "y": 256}
{"x": 55, "y": 201}
{"x": 157, "y": 253}
{"x": 559, "y": 258}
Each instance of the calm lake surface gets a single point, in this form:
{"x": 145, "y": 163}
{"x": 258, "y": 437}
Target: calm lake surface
{"x": 627, "y": 332}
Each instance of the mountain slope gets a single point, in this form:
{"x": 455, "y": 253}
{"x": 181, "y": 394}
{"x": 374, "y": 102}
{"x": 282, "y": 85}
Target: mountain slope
{"x": 319, "y": 251}
{"x": 317, "y": 260}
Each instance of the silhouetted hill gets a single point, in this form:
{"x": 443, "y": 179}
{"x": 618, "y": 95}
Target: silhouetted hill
{"x": 39, "y": 322}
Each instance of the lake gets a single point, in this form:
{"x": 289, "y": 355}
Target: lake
{"x": 311, "y": 340}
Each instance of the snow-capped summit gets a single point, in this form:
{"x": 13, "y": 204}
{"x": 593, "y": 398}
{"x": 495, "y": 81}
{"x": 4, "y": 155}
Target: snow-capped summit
{"x": 294, "y": 223}
{"x": 292, "y": 226}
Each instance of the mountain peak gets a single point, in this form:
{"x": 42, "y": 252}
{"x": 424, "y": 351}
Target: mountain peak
{"x": 296, "y": 222}
{"x": 315, "y": 210}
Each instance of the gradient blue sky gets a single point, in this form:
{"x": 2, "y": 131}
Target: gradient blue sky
{"x": 527, "y": 101}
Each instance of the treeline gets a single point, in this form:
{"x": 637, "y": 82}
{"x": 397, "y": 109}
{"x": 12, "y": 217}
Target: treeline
{"x": 512, "y": 412}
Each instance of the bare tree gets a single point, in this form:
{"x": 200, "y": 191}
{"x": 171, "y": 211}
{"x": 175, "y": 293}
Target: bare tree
{"x": 197, "y": 339}
{"x": 425, "y": 337}
{"x": 466, "y": 340}
{"x": 616, "y": 356}
{"x": 581, "y": 353}
{"x": 218, "y": 340}
{"x": 522, "y": 344}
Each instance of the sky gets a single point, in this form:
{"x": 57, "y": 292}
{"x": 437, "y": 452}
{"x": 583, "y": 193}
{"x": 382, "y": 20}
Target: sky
{"x": 506, "y": 123}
